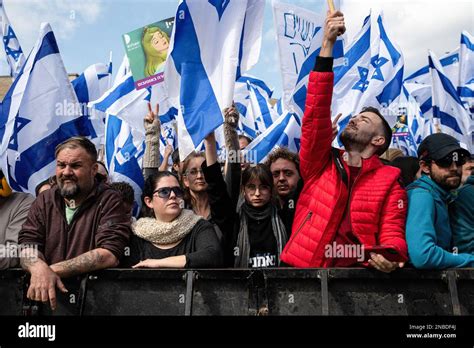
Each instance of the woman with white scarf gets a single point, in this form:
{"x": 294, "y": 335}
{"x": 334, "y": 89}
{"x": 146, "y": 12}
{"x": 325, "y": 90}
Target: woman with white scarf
{"x": 168, "y": 236}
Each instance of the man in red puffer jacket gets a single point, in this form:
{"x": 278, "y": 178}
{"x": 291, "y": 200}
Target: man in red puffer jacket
{"x": 349, "y": 197}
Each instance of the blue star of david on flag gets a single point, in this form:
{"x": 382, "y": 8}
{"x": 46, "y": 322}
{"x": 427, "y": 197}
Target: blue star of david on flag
{"x": 15, "y": 53}
{"x": 220, "y": 6}
{"x": 20, "y": 122}
{"x": 362, "y": 84}
{"x": 377, "y": 63}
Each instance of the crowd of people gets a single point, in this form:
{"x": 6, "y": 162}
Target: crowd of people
{"x": 384, "y": 210}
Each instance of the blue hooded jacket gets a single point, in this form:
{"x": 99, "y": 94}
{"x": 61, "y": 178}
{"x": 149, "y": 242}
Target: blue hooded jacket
{"x": 462, "y": 217}
{"x": 428, "y": 231}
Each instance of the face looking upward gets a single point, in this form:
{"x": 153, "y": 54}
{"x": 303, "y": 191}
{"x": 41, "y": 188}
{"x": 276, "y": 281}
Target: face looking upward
{"x": 361, "y": 131}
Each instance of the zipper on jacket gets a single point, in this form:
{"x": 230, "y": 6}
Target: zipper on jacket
{"x": 302, "y": 224}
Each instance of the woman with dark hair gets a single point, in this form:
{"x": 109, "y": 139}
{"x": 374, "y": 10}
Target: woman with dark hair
{"x": 167, "y": 235}
{"x": 410, "y": 167}
{"x": 254, "y": 234}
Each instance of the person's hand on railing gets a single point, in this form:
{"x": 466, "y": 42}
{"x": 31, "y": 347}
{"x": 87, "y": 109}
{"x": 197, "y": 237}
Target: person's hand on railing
{"x": 43, "y": 284}
{"x": 380, "y": 263}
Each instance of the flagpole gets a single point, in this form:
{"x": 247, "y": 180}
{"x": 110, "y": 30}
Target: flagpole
{"x": 332, "y": 9}
{"x": 331, "y": 6}
{"x": 110, "y": 70}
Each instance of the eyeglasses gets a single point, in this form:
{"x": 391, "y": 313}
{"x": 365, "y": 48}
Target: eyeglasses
{"x": 251, "y": 188}
{"x": 446, "y": 162}
{"x": 193, "y": 172}
{"x": 165, "y": 192}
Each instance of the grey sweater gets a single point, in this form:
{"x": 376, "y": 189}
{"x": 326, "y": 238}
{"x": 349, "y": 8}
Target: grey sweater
{"x": 13, "y": 212}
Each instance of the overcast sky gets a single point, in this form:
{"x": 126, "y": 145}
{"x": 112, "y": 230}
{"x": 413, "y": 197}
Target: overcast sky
{"x": 87, "y": 30}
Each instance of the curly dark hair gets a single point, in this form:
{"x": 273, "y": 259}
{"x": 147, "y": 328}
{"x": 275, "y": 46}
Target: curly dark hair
{"x": 283, "y": 152}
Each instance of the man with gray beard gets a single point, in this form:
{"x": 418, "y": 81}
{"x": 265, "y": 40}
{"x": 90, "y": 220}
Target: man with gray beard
{"x": 78, "y": 226}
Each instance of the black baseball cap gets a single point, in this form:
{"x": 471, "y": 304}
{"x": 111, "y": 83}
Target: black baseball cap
{"x": 439, "y": 145}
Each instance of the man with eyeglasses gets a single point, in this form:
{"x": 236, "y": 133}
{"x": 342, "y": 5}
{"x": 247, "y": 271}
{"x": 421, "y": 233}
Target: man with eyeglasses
{"x": 428, "y": 230}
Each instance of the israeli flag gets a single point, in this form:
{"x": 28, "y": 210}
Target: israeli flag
{"x": 123, "y": 150}
{"x": 39, "y": 111}
{"x": 90, "y": 86}
{"x": 284, "y": 132}
{"x": 419, "y": 85}
{"x": 466, "y": 71}
{"x": 242, "y": 102}
{"x": 421, "y": 94}
{"x": 262, "y": 111}
{"x": 450, "y": 64}
{"x": 124, "y": 146}
{"x": 351, "y": 78}
{"x": 213, "y": 42}
{"x": 448, "y": 109}
{"x": 385, "y": 75}
{"x": 299, "y": 34}
{"x": 15, "y": 56}
{"x": 131, "y": 105}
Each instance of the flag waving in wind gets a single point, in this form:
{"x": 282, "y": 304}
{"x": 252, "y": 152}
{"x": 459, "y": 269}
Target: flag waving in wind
{"x": 466, "y": 71}
{"x": 33, "y": 120}
{"x": 448, "y": 109}
{"x": 15, "y": 55}
{"x": 90, "y": 86}
{"x": 208, "y": 49}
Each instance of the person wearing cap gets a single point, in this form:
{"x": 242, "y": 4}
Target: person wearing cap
{"x": 428, "y": 230}
{"x": 350, "y": 201}
{"x": 461, "y": 212}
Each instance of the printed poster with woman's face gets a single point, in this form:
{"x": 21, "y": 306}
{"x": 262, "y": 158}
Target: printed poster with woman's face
{"x": 147, "y": 49}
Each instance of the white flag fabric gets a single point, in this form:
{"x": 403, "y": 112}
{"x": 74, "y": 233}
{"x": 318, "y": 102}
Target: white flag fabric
{"x": 418, "y": 85}
{"x": 209, "y": 47}
{"x": 39, "y": 112}
{"x": 124, "y": 150}
{"x": 15, "y": 56}
{"x": 350, "y": 79}
{"x": 262, "y": 111}
{"x": 448, "y": 109}
{"x": 90, "y": 86}
{"x": 299, "y": 34}
{"x": 385, "y": 73}
{"x": 242, "y": 102}
{"x": 123, "y": 146}
{"x": 285, "y": 132}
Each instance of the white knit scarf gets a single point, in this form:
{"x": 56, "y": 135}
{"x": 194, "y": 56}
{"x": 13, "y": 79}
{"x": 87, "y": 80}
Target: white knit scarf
{"x": 159, "y": 232}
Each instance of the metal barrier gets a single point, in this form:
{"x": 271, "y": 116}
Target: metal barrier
{"x": 277, "y": 291}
